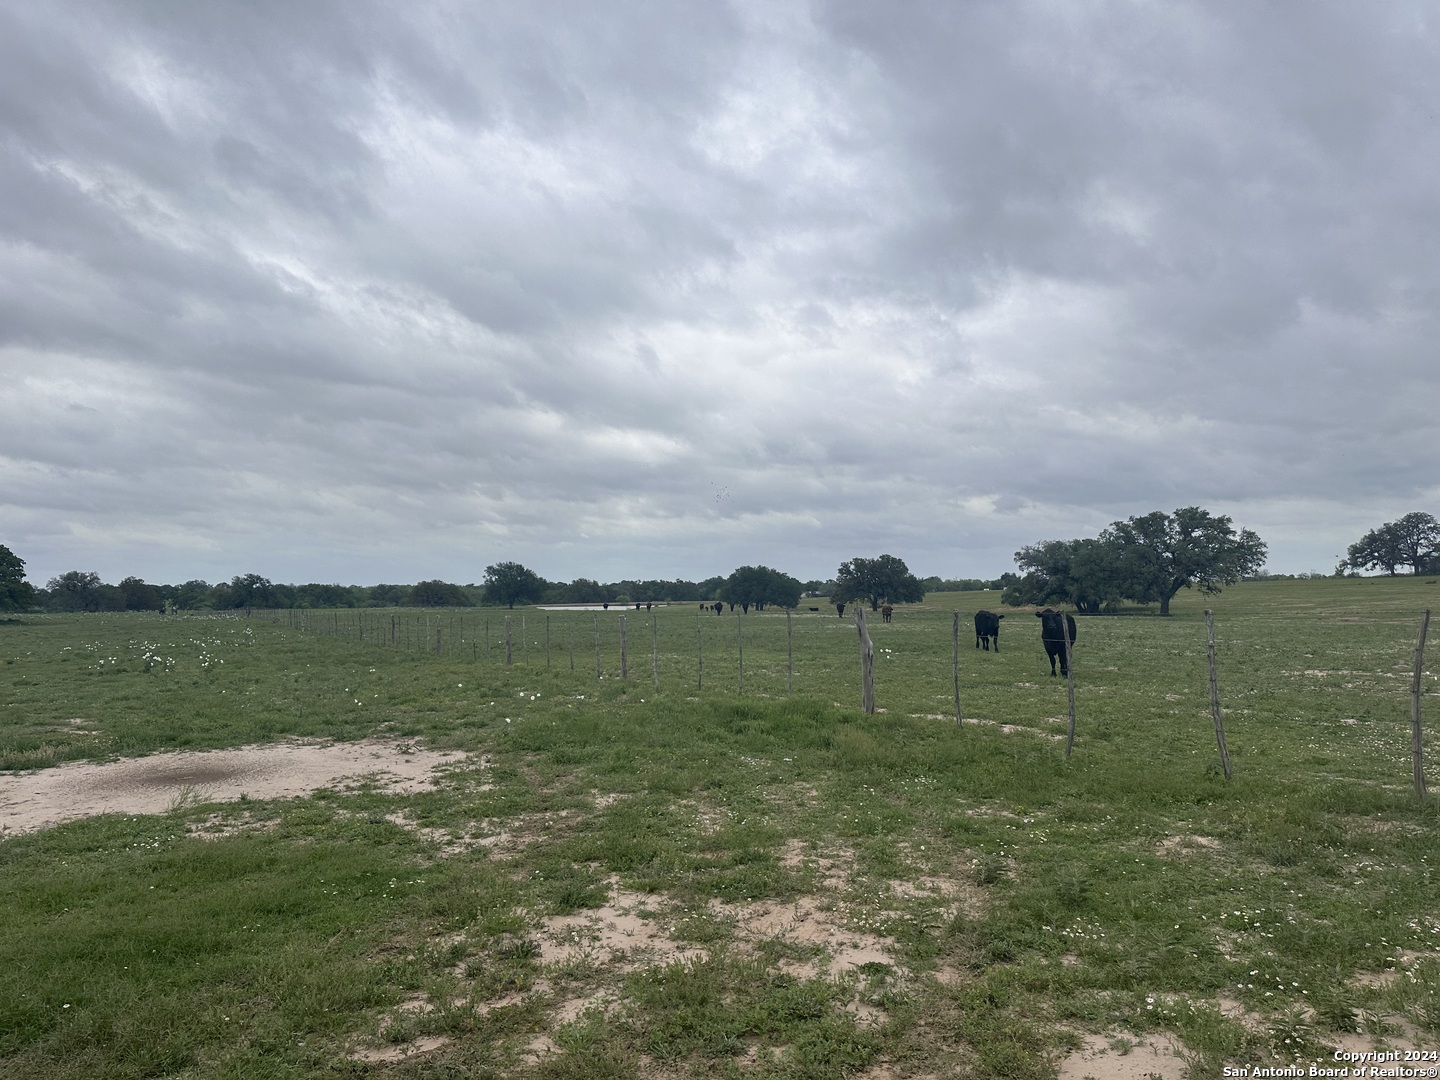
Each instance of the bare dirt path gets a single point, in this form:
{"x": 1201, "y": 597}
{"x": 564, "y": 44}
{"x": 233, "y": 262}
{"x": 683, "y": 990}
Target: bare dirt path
{"x": 155, "y": 784}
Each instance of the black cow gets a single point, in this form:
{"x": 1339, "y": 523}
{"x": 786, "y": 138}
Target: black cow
{"x": 1053, "y": 626}
{"x": 719, "y": 607}
{"x": 987, "y": 629}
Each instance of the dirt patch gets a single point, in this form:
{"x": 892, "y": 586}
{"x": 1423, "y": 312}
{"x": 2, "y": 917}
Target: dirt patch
{"x": 1185, "y": 845}
{"x": 806, "y": 923}
{"x": 162, "y": 782}
{"x": 379, "y": 1055}
{"x": 626, "y": 933}
{"x": 1124, "y": 1057}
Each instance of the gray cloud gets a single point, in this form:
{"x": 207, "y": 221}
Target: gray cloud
{"x": 352, "y": 292}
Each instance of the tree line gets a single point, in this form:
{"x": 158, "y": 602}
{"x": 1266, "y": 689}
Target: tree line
{"x": 881, "y": 579}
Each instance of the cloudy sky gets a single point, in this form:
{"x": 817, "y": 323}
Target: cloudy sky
{"x": 357, "y": 291}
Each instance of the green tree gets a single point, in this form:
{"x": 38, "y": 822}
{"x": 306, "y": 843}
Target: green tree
{"x": 1157, "y": 555}
{"x": 509, "y": 583}
{"x": 16, "y": 594}
{"x": 758, "y": 586}
{"x": 249, "y": 591}
{"x": 140, "y": 597}
{"x": 1413, "y": 541}
{"x": 74, "y": 590}
{"x": 1084, "y": 573}
{"x": 883, "y": 578}
{"x": 437, "y": 594}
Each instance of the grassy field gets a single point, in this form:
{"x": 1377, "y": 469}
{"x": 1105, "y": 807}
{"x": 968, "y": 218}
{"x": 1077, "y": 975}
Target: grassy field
{"x": 803, "y": 890}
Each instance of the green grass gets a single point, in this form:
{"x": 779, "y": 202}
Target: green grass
{"x": 1130, "y": 888}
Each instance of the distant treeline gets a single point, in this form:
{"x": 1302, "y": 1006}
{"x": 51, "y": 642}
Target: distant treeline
{"x": 84, "y": 591}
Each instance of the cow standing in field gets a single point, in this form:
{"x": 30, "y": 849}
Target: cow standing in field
{"x": 987, "y": 629}
{"x": 886, "y": 611}
{"x": 1053, "y": 632}
{"x": 719, "y": 607}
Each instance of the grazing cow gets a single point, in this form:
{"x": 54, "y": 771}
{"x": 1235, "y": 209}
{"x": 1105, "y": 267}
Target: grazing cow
{"x": 987, "y": 629}
{"x": 886, "y": 611}
{"x": 1053, "y": 627}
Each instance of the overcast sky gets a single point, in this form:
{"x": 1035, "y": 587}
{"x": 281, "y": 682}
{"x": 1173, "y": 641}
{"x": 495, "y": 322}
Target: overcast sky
{"x": 362, "y": 292}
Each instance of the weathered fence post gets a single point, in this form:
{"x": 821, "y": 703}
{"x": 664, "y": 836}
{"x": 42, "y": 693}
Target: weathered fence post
{"x": 867, "y": 662}
{"x": 740, "y": 642}
{"x": 789, "y": 654}
{"x": 699, "y": 656}
{"x": 1417, "y": 751}
{"x": 624, "y": 660}
{"x": 1069, "y": 679}
{"x": 1215, "y": 696}
{"x": 654, "y": 652}
{"x": 955, "y": 660}
{"x": 508, "y": 654}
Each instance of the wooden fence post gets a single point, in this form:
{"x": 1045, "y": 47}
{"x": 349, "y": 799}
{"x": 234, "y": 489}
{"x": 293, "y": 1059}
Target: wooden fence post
{"x": 1417, "y": 750}
{"x": 624, "y": 660}
{"x": 740, "y": 642}
{"x": 955, "y": 660}
{"x": 1215, "y": 695}
{"x": 654, "y": 652}
{"x": 789, "y": 654}
{"x": 1069, "y": 680}
{"x": 508, "y": 654}
{"x": 867, "y": 662}
{"x": 699, "y": 655}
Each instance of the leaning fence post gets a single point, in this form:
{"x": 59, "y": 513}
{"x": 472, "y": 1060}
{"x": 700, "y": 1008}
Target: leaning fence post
{"x": 1417, "y": 751}
{"x": 1215, "y": 696}
{"x": 1069, "y": 679}
{"x": 955, "y": 660}
{"x": 624, "y": 661}
{"x": 508, "y": 654}
{"x": 867, "y": 662}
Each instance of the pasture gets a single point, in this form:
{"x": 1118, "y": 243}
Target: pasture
{"x": 610, "y": 881}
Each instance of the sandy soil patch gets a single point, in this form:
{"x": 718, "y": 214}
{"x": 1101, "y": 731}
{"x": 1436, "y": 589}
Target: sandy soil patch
{"x": 1122, "y": 1057}
{"x": 162, "y": 782}
{"x": 831, "y": 867}
{"x": 379, "y": 1055}
{"x": 1185, "y": 845}
{"x": 806, "y": 923}
{"x": 625, "y": 932}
